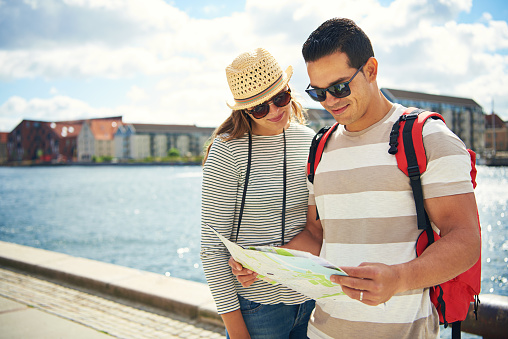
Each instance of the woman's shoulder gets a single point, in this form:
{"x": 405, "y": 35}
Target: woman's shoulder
{"x": 224, "y": 142}
{"x": 225, "y": 152}
{"x": 225, "y": 138}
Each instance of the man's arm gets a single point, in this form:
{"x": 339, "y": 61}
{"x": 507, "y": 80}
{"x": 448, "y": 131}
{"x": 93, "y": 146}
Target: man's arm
{"x": 309, "y": 239}
{"x": 457, "y": 250}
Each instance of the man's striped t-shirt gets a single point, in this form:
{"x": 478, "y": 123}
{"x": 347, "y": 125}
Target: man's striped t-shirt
{"x": 368, "y": 215}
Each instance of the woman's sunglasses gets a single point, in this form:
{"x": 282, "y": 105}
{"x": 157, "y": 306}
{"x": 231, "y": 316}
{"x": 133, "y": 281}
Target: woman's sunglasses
{"x": 338, "y": 90}
{"x": 280, "y": 100}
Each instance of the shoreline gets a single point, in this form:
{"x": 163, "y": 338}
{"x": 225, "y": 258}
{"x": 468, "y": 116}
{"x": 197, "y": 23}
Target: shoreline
{"x": 92, "y": 164}
{"x": 121, "y": 284}
{"x": 160, "y": 294}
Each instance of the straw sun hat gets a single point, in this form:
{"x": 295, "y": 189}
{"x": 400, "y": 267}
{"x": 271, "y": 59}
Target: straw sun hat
{"x": 255, "y": 77}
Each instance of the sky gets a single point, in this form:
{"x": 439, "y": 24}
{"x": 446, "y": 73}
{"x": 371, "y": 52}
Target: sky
{"x": 156, "y": 61}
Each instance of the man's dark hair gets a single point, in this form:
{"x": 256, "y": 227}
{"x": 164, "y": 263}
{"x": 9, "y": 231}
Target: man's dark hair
{"x": 338, "y": 35}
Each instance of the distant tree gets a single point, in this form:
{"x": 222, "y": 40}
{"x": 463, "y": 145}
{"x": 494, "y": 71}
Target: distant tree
{"x": 105, "y": 158}
{"x": 173, "y": 153}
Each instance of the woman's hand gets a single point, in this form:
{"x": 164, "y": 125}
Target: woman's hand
{"x": 245, "y": 276}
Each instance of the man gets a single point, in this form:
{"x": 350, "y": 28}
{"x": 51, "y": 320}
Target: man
{"x": 366, "y": 208}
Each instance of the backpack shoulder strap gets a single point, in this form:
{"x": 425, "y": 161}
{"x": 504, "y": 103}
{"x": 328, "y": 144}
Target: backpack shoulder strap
{"x": 316, "y": 149}
{"x": 406, "y": 143}
{"x": 407, "y": 133}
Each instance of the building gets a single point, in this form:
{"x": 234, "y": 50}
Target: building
{"x": 43, "y": 141}
{"x": 496, "y": 130}
{"x": 463, "y": 116}
{"x": 318, "y": 118}
{"x": 139, "y": 141}
{"x": 96, "y": 138}
{"x": 4, "y": 136}
{"x": 82, "y": 140}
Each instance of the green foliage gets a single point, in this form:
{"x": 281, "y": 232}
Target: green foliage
{"x": 173, "y": 153}
{"x": 173, "y": 156}
{"x": 105, "y": 158}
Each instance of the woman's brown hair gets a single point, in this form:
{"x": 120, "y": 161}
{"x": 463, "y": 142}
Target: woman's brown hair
{"x": 238, "y": 123}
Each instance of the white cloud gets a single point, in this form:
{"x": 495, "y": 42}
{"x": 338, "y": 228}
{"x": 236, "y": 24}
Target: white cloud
{"x": 180, "y": 61}
{"x": 14, "y": 110}
{"x": 49, "y": 23}
{"x": 136, "y": 94}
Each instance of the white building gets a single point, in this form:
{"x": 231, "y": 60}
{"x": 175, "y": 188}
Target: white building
{"x": 139, "y": 141}
{"x": 96, "y": 138}
{"x": 462, "y": 115}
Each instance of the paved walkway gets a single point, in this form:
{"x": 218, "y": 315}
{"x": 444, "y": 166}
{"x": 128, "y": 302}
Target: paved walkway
{"x": 35, "y": 308}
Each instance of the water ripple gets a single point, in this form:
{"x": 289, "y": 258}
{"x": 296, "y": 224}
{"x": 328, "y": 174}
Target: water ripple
{"x": 148, "y": 217}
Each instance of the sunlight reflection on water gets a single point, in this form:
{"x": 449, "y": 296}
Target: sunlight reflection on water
{"x": 148, "y": 217}
{"x": 139, "y": 217}
{"x": 492, "y": 198}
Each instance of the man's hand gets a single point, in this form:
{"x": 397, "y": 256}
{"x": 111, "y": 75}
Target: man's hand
{"x": 245, "y": 277}
{"x": 370, "y": 283}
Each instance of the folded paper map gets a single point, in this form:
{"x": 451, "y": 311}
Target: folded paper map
{"x": 298, "y": 270}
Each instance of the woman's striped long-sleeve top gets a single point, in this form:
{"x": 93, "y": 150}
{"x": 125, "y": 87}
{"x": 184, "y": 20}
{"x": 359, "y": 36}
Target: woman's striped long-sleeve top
{"x": 223, "y": 182}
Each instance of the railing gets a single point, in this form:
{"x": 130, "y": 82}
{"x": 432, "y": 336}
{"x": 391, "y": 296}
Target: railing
{"x": 492, "y": 319}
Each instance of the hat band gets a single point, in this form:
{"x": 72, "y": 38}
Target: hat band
{"x": 261, "y": 94}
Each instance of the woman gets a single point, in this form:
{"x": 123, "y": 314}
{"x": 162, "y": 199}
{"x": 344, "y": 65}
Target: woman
{"x": 254, "y": 193}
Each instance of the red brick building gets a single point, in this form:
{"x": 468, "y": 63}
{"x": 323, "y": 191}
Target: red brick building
{"x": 496, "y": 129}
{"x": 43, "y": 141}
{"x": 3, "y": 146}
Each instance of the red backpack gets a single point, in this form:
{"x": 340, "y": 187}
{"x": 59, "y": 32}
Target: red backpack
{"x": 452, "y": 298}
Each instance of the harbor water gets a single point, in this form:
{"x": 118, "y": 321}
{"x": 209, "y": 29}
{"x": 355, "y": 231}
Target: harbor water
{"x": 148, "y": 217}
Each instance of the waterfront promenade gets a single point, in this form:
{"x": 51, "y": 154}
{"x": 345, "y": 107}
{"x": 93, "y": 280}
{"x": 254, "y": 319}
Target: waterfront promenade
{"x": 46, "y": 294}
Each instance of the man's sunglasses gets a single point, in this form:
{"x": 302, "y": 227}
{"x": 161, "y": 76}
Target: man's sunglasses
{"x": 338, "y": 90}
{"x": 280, "y": 100}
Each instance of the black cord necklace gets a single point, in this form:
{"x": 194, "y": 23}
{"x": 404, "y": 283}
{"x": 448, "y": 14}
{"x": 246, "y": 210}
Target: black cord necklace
{"x": 247, "y": 174}
{"x": 284, "y": 191}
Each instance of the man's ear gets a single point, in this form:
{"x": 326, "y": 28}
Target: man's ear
{"x": 370, "y": 69}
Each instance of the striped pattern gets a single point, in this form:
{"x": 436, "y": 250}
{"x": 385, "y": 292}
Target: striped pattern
{"x": 368, "y": 215}
{"x": 223, "y": 181}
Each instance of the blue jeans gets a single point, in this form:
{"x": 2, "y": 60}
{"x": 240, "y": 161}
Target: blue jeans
{"x": 277, "y": 321}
